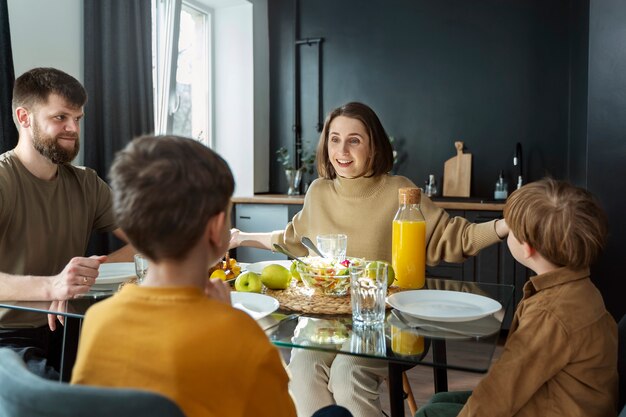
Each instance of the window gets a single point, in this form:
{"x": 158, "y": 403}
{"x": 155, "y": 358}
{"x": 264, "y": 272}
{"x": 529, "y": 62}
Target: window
{"x": 182, "y": 62}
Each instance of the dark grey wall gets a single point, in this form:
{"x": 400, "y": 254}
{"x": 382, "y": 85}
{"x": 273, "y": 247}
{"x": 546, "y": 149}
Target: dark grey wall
{"x": 487, "y": 72}
{"x": 606, "y": 139}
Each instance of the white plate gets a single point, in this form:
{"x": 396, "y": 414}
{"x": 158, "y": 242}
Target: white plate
{"x": 115, "y": 273}
{"x": 256, "y": 305}
{"x": 440, "y": 305}
{"x": 257, "y": 267}
{"x": 482, "y": 327}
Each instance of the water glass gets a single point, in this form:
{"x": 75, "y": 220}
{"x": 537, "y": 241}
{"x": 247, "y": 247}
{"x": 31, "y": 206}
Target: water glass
{"x": 368, "y": 287}
{"x": 333, "y": 245}
{"x": 369, "y": 340}
{"x": 141, "y": 267}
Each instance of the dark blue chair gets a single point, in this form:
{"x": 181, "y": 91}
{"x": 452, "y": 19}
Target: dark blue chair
{"x": 621, "y": 365}
{"x": 24, "y": 394}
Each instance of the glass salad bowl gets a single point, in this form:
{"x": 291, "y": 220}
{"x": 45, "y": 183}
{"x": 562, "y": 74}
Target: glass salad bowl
{"x": 326, "y": 276}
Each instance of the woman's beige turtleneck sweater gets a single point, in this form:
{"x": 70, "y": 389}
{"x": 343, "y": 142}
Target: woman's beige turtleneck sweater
{"x": 364, "y": 208}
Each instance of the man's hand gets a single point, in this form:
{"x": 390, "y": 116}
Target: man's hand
{"x": 218, "y": 290}
{"x": 76, "y": 278}
{"x": 60, "y": 306}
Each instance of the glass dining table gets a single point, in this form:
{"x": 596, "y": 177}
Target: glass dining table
{"x": 402, "y": 340}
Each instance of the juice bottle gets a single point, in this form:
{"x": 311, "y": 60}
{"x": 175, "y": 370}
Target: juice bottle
{"x": 408, "y": 251}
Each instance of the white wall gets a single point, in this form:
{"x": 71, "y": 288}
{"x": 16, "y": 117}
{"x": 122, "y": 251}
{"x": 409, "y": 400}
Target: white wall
{"x": 234, "y": 96}
{"x": 50, "y": 33}
{"x": 47, "y": 33}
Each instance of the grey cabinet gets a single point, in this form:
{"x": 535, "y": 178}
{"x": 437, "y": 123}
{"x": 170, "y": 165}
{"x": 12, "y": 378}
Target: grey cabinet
{"x": 261, "y": 218}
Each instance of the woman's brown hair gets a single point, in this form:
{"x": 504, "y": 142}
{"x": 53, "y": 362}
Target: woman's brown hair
{"x": 381, "y": 152}
{"x": 564, "y": 223}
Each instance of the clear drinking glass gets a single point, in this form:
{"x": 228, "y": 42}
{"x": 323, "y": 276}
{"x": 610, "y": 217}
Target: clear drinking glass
{"x": 141, "y": 267}
{"x": 333, "y": 245}
{"x": 368, "y": 288}
{"x": 368, "y": 339}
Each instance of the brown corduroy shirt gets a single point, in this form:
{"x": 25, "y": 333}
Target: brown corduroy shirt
{"x": 560, "y": 358}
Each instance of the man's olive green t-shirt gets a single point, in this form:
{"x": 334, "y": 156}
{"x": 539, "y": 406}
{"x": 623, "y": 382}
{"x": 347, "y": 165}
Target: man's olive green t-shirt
{"x": 44, "y": 224}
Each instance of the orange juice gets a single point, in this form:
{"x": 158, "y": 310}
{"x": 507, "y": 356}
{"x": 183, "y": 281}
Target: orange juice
{"x": 406, "y": 342}
{"x": 408, "y": 253}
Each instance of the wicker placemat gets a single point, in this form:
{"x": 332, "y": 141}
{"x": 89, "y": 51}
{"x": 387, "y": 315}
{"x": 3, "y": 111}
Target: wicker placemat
{"x": 295, "y": 298}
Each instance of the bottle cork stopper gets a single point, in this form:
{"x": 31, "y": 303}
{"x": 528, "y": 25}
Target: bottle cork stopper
{"x": 411, "y": 195}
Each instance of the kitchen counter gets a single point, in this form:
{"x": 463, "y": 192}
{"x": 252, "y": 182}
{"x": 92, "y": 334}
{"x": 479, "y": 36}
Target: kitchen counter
{"x": 448, "y": 203}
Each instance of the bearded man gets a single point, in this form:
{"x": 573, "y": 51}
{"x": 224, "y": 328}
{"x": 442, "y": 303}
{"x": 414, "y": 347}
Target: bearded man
{"x": 48, "y": 209}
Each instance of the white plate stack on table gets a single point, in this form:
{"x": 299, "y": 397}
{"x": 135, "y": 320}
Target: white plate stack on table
{"x": 442, "y": 305}
{"x": 447, "y": 314}
{"x": 111, "y": 275}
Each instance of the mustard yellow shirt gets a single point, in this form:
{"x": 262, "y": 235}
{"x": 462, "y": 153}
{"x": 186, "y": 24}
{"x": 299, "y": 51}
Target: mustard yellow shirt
{"x": 560, "y": 358}
{"x": 208, "y": 357}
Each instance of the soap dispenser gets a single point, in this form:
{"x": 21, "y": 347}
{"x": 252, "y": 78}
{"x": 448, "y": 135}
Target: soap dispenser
{"x": 430, "y": 188}
{"x": 501, "y": 191}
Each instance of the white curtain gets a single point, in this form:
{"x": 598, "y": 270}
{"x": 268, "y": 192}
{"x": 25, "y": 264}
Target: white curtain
{"x": 166, "y": 14}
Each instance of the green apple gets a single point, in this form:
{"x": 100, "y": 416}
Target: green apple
{"x": 391, "y": 275}
{"x": 294, "y": 271}
{"x": 248, "y": 282}
{"x": 275, "y": 277}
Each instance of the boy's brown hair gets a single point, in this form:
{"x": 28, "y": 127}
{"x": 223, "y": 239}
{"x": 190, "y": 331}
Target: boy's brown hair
{"x": 381, "y": 152}
{"x": 35, "y": 86}
{"x": 564, "y": 223}
{"x": 165, "y": 190}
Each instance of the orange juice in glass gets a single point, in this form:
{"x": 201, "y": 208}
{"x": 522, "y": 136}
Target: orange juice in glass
{"x": 408, "y": 250}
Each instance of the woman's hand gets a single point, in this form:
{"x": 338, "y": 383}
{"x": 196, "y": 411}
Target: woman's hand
{"x": 234, "y": 238}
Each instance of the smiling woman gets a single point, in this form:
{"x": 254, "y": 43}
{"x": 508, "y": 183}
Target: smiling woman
{"x": 354, "y": 159}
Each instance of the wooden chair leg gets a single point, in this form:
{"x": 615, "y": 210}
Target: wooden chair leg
{"x": 409, "y": 394}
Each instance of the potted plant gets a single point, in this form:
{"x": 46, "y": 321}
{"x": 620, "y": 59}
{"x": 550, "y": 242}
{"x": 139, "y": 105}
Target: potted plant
{"x": 294, "y": 176}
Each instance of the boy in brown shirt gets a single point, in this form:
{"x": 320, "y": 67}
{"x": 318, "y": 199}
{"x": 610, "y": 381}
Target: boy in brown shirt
{"x": 560, "y": 358}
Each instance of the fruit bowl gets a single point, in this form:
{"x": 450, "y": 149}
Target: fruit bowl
{"x": 326, "y": 276}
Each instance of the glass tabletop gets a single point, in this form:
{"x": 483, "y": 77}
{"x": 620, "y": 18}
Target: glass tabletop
{"x": 464, "y": 345}
{"x": 468, "y": 345}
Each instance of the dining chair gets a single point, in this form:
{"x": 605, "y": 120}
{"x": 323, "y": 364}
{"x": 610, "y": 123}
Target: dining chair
{"x": 24, "y": 394}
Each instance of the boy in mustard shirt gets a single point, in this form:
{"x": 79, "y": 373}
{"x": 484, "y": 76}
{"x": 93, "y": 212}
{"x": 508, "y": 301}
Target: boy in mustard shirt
{"x": 560, "y": 357}
{"x": 172, "y": 199}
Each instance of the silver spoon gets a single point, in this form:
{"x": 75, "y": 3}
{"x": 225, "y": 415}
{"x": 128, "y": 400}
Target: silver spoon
{"x": 311, "y": 246}
{"x": 284, "y": 251}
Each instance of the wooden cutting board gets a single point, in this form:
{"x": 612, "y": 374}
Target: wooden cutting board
{"x": 457, "y": 173}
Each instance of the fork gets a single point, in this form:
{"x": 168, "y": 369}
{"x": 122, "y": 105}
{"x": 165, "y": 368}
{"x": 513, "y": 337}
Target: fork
{"x": 427, "y": 326}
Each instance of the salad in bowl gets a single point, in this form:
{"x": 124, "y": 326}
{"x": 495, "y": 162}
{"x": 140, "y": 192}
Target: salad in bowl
{"x": 326, "y": 276}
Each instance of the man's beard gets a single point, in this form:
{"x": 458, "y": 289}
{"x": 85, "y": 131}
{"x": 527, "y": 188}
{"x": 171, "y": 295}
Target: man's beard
{"x": 49, "y": 147}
